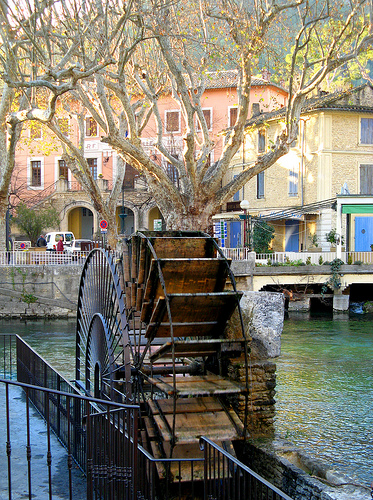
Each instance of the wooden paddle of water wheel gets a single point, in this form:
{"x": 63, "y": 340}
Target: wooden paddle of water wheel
{"x": 151, "y": 330}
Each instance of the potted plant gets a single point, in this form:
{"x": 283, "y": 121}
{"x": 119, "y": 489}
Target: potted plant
{"x": 333, "y": 238}
{"x": 314, "y": 243}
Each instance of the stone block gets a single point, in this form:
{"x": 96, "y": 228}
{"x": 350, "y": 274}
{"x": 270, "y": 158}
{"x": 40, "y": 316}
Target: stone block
{"x": 263, "y": 317}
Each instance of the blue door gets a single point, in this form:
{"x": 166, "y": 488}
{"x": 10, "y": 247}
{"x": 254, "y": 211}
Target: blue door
{"x": 291, "y": 236}
{"x": 235, "y": 234}
{"x": 363, "y": 233}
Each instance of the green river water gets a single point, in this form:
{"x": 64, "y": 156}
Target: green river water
{"x": 324, "y": 383}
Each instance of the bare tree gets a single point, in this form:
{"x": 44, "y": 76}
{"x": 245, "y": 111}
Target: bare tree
{"x": 117, "y": 62}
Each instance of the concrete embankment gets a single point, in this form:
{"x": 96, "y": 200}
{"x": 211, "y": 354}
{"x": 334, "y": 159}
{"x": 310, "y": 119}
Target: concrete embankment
{"x": 39, "y": 291}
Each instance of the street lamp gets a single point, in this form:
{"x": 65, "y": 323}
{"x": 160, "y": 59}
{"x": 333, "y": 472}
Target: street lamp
{"x": 246, "y": 230}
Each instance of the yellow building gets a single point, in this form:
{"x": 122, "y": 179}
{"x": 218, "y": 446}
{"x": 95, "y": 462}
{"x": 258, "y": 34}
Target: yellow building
{"x": 297, "y": 195}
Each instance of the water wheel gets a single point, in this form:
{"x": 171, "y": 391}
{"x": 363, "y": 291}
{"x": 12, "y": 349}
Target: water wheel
{"x": 103, "y": 361}
{"x": 152, "y": 325}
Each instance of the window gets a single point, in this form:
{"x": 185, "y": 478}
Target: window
{"x": 62, "y": 169}
{"x": 261, "y": 141}
{"x": 92, "y": 163}
{"x": 260, "y": 185}
{"x": 35, "y": 173}
{"x": 207, "y": 113}
{"x": 90, "y": 127}
{"x": 236, "y": 196}
{"x": 232, "y": 114}
{"x": 63, "y": 123}
{"x": 366, "y": 179}
{"x": 366, "y": 131}
{"x": 35, "y": 130}
{"x": 293, "y": 180}
{"x": 129, "y": 177}
{"x": 173, "y": 172}
{"x": 172, "y": 121}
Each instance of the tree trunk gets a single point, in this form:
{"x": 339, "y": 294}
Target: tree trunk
{"x": 193, "y": 220}
{"x": 3, "y": 210}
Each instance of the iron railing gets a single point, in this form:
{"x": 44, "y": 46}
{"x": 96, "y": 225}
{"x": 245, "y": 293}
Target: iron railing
{"x": 34, "y": 258}
{"x": 226, "y": 478}
{"x": 313, "y": 258}
{"x": 101, "y": 438}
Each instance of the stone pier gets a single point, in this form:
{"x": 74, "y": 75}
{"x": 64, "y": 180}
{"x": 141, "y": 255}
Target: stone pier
{"x": 263, "y": 316}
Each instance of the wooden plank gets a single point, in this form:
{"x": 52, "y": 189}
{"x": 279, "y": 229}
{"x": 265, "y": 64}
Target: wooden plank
{"x": 163, "y": 427}
{"x": 193, "y": 348}
{"x": 174, "y": 247}
{"x": 214, "y": 425}
{"x": 134, "y": 271}
{"x": 150, "y": 429}
{"x": 206, "y": 385}
{"x": 139, "y": 295}
{"x": 187, "y": 276}
{"x": 193, "y": 309}
{"x": 191, "y": 426}
{"x": 162, "y": 330}
{"x": 142, "y": 262}
{"x": 126, "y": 263}
{"x": 133, "y": 295}
{"x": 190, "y": 405}
{"x": 128, "y": 295}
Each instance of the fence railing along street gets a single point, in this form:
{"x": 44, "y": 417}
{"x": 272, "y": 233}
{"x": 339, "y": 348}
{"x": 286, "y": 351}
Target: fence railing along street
{"x": 33, "y": 258}
{"x": 314, "y": 258}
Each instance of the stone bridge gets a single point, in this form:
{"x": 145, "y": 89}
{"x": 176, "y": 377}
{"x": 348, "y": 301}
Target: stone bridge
{"x": 303, "y": 283}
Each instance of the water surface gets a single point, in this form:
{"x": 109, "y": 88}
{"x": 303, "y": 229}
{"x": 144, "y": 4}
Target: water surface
{"x": 324, "y": 383}
{"x": 325, "y": 390}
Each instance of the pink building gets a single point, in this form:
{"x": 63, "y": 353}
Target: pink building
{"x": 41, "y": 174}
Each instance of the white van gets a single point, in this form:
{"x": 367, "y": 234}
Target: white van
{"x": 53, "y": 239}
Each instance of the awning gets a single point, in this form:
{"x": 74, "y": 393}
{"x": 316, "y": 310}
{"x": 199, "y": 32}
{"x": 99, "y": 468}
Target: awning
{"x": 357, "y": 209}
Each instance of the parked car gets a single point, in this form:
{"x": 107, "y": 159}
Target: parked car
{"x": 80, "y": 245}
{"x": 53, "y": 238}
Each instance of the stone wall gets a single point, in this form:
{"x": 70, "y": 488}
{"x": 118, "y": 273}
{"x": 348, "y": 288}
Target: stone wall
{"x": 298, "y": 475}
{"x": 39, "y": 291}
{"x": 263, "y": 318}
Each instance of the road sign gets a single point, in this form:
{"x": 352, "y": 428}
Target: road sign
{"x": 103, "y": 224}
{"x": 157, "y": 224}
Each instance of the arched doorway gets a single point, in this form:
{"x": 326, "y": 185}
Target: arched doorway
{"x": 126, "y": 224}
{"x": 154, "y": 219}
{"x": 80, "y": 221}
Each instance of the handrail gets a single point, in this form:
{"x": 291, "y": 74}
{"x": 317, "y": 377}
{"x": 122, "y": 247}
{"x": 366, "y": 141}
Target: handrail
{"x": 206, "y": 443}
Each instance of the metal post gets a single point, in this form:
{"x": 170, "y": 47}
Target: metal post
{"x": 122, "y": 215}
{"x": 245, "y": 207}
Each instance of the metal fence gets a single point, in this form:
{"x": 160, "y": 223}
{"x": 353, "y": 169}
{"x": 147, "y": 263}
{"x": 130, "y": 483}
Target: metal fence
{"x": 226, "y": 478}
{"x": 34, "y": 258}
{"x": 101, "y": 438}
{"x": 313, "y": 258}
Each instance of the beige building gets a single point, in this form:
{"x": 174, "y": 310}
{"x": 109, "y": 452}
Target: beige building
{"x": 332, "y": 155}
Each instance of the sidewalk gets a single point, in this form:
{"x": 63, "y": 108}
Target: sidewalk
{"x": 39, "y": 449}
